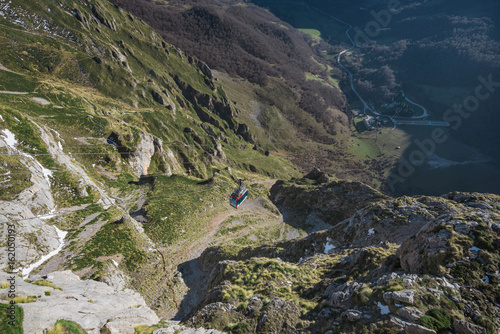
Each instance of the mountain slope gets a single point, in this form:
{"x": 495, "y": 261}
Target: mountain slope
{"x": 290, "y": 94}
{"x": 417, "y": 265}
{"x": 105, "y": 132}
{"x": 117, "y": 155}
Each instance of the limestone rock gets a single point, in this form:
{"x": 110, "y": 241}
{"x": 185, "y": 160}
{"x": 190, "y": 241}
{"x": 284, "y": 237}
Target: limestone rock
{"x": 205, "y": 69}
{"x": 464, "y": 327}
{"x": 387, "y": 297}
{"x": 175, "y": 328}
{"x": 340, "y": 296}
{"x": 352, "y": 315}
{"x": 281, "y": 317}
{"x": 421, "y": 253}
{"x": 33, "y": 237}
{"x": 148, "y": 147}
{"x": 410, "y": 313}
{"x": 404, "y": 296}
{"x": 89, "y": 303}
{"x": 400, "y": 323}
{"x": 339, "y": 201}
{"x": 114, "y": 277}
{"x": 73, "y": 167}
{"x": 417, "y": 329}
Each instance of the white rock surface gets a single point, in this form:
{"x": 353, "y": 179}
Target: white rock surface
{"x": 148, "y": 146}
{"x": 403, "y": 296}
{"x": 410, "y": 313}
{"x": 175, "y": 328}
{"x": 89, "y": 303}
{"x": 33, "y": 238}
{"x": 64, "y": 159}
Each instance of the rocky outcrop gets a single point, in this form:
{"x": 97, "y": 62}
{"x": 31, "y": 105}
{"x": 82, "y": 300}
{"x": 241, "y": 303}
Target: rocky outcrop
{"x": 318, "y": 198}
{"x": 417, "y": 329}
{"x": 114, "y": 277}
{"x": 387, "y": 220}
{"x": 56, "y": 150}
{"x": 150, "y": 146}
{"x": 111, "y": 24}
{"x": 340, "y": 296}
{"x": 424, "y": 252}
{"x": 205, "y": 104}
{"x": 404, "y": 296}
{"x": 448, "y": 261}
{"x": 410, "y": 313}
{"x": 31, "y": 236}
{"x": 163, "y": 98}
{"x": 175, "y": 328}
{"x": 352, "y": 315}
{"x": 93, "y": 305}
{"x": 464, "y": 327}
{"x": 281, "y": 317}
{"x": 205, "y": 69}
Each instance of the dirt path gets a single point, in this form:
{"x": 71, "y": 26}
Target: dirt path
{"x": 250, "y": 206}
{"x": 14, "y": 93}
{"x": 267, "y": 183}
{"x": 194, "y": 277}
{"x": 3, "y": 68}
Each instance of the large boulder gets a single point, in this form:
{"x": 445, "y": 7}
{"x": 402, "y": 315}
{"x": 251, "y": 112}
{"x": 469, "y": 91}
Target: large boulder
{"x": 417, "y": 329}
{"x": 464, "y": 327}
{"x": 410, "y": 313}
{"x": 404, "y": 296}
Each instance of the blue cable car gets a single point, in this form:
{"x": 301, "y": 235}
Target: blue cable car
{"x": 239, "y": 195}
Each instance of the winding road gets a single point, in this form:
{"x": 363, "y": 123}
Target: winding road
{"x": 425, "y": 114}
{"x": 399, "y": 121}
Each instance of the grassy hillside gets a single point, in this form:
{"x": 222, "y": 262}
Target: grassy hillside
{"x": 111, "y": 112}
{"x": 288, "y": 94}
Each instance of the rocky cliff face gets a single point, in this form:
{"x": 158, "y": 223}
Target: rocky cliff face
{"x": 94, "y": 305}
{"x": 151, "y": 147}
{"x": 415, "y": 265}
{"x": 318, "y": 200}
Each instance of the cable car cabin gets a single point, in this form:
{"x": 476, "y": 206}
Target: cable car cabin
{"x": 239, "y": 195}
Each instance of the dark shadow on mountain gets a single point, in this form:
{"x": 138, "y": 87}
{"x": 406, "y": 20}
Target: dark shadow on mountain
{"x": 140, "y": 216}
{"x": 197, "y": 282}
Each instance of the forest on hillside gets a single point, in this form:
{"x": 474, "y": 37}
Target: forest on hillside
{"x": 249, "y": 42}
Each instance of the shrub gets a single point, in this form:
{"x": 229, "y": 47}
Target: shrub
{"x": 66, "y": 327}
{"x": 437, "y": 319}
{"x": 44, "y": 282}
{"x": 239, "y": 328}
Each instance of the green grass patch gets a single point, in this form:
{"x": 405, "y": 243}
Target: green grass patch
{"x": 66, "y": 327}
{"x": 14, "y": 177}
{"x": 44, "y": 282}
{"x": 308, "y": 21}
{"x": 16, "y": 83}
{"x": 11, "y": 319}
{"x": 24, "y": 299}
{"x": 113, "y": 238}
{"x": 438, "y": 319}
{"x": 270, "y": 279}
{"x": 145, "y": 329}
{"x": 364, "y": 149}
{"x": 312, "y": 32}
{"x": 178, "y": 205}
